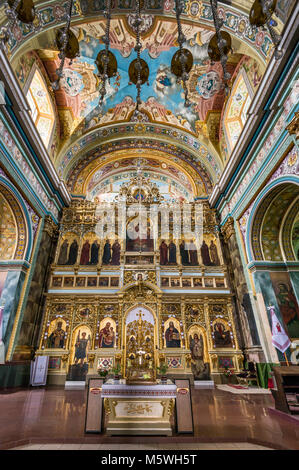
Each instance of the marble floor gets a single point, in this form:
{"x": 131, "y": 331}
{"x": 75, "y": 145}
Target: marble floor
{"x": 55, "y": 417}
{"x": 177, "y": 446}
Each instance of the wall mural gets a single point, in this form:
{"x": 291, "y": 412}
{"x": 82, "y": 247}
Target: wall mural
{"x": 287, "y": 301}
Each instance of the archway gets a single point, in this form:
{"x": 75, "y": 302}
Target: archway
{"x": 140, "y": 343}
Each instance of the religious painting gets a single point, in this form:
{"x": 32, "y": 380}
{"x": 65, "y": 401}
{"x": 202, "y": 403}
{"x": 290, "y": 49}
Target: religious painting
{"x": 56, "y": 334}
{"x": 136, "y": 240}
{"x": 63, "y": 253}
{"x": 132, "y": 260}
{"x": 103, "y": 281}
{"x": 197, "y": 282}
{"x": 172, "y": 333}
{"x": 197, "y": 343}
{"x": 220, "y": 282}
{"x": 114, "y": 281}
{"x": 110, "y": 308}
{"x": 54, "y": 363}
{"x": 92, "y": 281}
{"x": 221, "y": 334}
{"x": 165, "y": 281}
{"x": 175, "y": 282}
{"x": 84, "y": 313}
{"x": 107, "y": 333}
{"x": 186, "y": 282}
{"x": 194, "y": 312}
{"x": 68, "y": 282}
{"x": 80, "y": 281}
{"x": 73, "y": 252}
{"x": 56, "y": 281}
{"x": 139, "y": 260}
{"x": 209, "y": 282}
{"x": 287, "y": 302}
{"x": 146, "y": 260}
{"x": 81, "y": 345}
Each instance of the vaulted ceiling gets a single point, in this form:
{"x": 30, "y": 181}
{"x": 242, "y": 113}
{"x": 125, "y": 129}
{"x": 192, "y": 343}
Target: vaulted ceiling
{"x": 187, "y": 140}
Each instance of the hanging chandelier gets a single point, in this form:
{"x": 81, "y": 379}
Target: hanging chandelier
{"x": 106, "y": 61}
{"x": 138, "y": 68}
{"x": 19, "y": 10}
{"x": 67, "y": 43}
{"x": 182, "y": 61}
{"x": 220, "y": 46}
{"x": 260, "y": 15}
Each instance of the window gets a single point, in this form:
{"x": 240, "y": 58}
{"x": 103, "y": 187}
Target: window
{"x": 41, "y": 107}
{"x": 236, "y": 109}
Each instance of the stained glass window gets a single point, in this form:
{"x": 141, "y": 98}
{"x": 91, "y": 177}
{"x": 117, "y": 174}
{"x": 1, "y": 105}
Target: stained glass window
{"x": 41, "y": 107}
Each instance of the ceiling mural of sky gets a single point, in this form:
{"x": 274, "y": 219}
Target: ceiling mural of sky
{"x": 162, "y": 99}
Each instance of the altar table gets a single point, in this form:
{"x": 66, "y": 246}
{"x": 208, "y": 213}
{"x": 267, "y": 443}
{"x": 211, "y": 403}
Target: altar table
{"x": 139, "y": 409}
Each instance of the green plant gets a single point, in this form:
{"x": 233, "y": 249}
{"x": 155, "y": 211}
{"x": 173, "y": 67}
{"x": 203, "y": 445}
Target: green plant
{"x": 228, "y": 372}
{"x": 116, "y": 369}
{"x": 162, "y": 369}
{"x": 103, "y": 372}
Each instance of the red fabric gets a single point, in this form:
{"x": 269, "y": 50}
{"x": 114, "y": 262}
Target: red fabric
{"x": 270, "y": 383}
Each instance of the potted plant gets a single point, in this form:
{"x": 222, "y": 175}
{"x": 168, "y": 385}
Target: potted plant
{"x": 116, "y": 371}
{"x": 103, "y": 373}
{"x": 229, "y": 374}
{"x": 162, "y": 369}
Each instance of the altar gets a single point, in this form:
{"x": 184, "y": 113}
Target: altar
{"x": 139, "y": 409}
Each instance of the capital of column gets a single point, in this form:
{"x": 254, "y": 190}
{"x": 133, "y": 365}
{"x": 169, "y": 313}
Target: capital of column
{"x": 228, "y": 229}
{"x": 50, "y": 227}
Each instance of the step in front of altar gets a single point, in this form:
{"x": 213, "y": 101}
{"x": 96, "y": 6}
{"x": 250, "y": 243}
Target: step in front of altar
{"x": 204, "y": 384}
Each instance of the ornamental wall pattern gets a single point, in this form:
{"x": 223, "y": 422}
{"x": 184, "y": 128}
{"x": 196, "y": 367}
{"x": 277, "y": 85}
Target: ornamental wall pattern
{"x": 14, "y": 152}
{"x": 249, "y": 179}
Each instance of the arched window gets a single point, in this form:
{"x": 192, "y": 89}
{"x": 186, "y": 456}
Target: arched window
{"x": 41, "y": 107}
{"x": 236, "y": 109}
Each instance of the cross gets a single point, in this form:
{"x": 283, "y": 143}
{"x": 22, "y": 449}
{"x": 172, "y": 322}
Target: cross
{"x": 140, "y": 315}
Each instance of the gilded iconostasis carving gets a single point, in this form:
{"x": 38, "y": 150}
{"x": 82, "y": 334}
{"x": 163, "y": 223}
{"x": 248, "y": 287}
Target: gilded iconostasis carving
{"x": 104, "y": 291}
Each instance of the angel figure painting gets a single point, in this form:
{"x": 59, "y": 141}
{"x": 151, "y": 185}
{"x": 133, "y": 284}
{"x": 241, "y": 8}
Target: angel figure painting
{"x": 199, "y": 369}
{"x": 81, "y": 345}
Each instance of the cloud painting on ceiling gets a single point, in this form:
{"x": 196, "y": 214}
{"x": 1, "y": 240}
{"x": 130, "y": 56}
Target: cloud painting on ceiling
{"x": 162, "y": 100}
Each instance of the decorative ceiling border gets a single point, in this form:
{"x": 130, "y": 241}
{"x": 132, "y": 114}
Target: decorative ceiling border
{"x": 235, "y": 22}
{"x": 199, "y": 152}
{"x": 141, "y": 144}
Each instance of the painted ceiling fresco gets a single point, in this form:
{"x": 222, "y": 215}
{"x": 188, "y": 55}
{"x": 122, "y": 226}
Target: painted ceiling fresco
{"x": 162, "y": 100}
{"x": 76, "y": 102}
{"x": 103, "y": 181}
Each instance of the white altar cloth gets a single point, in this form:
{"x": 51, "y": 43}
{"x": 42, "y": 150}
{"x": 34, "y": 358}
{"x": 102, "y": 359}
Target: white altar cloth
{"x": 113, "y": 389}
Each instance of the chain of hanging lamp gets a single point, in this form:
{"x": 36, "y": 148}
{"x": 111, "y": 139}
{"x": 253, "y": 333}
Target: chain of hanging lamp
{"x": 276, "y": 38}
{"x": 137, "y": 49}
{"x": 15, "y": 11}
{"x": 221, "y": 43}
{"x": 105, "y": 57}
{"x": 64, "y": 40}
{"x": 179, "y": 7}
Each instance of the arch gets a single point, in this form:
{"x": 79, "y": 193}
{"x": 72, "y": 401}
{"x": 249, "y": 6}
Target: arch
{"x": 258, "y": 212}
{"x": 22, "y": 220}
{"x": 198, "y": 162}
